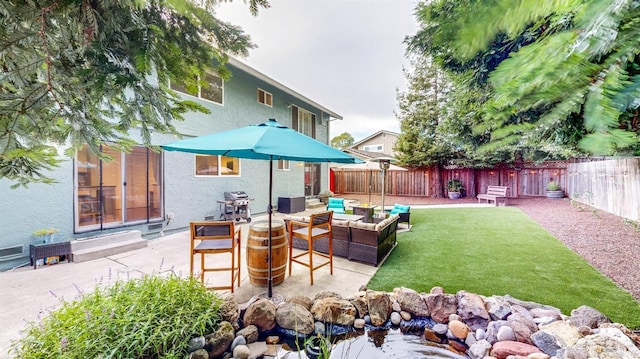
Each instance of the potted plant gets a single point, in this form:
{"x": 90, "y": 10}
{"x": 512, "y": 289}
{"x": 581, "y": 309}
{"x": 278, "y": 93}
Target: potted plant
{"x": 45, "y": 235}
{"x": 455, "y": 188}
{"x": 324, "y": 196}
{"x": 554, "y": 190}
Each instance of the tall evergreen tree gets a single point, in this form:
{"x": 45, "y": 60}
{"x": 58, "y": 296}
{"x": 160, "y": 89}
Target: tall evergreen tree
{"x": 76, "y": 72}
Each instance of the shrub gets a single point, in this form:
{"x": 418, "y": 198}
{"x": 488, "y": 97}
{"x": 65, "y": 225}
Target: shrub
{"x": 553, "y": 186}
{"x": 152, "y": 317}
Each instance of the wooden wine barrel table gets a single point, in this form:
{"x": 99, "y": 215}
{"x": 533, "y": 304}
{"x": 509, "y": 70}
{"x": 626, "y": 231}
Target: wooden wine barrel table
{"x": 258, "y": 252}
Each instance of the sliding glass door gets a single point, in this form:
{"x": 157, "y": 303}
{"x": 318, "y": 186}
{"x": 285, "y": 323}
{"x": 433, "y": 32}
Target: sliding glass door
{"x": 125, "y": 190}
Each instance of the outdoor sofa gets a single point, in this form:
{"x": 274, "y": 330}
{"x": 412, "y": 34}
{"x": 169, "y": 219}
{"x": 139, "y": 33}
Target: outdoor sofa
{"x": 363, "y": 242}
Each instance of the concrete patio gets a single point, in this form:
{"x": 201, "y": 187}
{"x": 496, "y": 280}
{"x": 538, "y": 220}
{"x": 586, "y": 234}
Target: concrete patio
{"x": 29, "y": 293}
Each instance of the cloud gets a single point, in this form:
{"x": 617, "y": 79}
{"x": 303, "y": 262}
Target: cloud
{"x": 347, "y": 55}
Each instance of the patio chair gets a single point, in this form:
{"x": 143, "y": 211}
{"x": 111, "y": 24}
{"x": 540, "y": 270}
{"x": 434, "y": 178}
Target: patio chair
{"x": 403, "y": 211}
{"x": 319, "y": 226}
{"x": 216, "y": 238}
{"x": 336, "y": 205}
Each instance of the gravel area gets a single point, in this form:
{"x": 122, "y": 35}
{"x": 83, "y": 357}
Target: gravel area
{"x": 601, "y": 238}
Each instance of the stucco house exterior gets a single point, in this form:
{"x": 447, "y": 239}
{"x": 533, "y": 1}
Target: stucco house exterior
{"x": 142, "y": 190}
{"x": 379, "y": 144}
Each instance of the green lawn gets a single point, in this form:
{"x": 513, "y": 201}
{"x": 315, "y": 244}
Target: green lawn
{"x": 498, "y": 251}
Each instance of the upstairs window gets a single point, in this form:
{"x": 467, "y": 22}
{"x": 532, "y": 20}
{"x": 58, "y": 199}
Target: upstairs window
{"x": 373, "y": 148}
{"x": 265, "y": 98}
{"x": 212, "y": 91}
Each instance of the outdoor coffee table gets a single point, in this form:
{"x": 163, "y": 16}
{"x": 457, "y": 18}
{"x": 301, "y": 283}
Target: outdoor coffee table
{"x": 365, "y": 211}
{"x": 347, "y": 217}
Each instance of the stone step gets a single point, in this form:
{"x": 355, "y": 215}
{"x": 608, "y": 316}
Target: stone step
{"x": 312, "y": 203}
{"x": 91, "y": 248}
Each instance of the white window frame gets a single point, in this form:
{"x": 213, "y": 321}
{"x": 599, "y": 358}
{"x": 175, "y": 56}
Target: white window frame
{"x": 218, "y": 161}
{"x": 284, "y": 165}
{"x": 305, "y": 122}
{"x": 199, "y": 94}
{"x": 267, "y": 97}
{"x": 373, "y": 148}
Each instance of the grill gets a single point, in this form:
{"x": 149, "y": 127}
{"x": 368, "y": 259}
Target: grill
{"x": 235, "y": 206}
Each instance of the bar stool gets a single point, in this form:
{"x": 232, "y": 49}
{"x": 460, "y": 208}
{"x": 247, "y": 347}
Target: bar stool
{"x": 319, "y": 226}
{"x": 215, "y": 238}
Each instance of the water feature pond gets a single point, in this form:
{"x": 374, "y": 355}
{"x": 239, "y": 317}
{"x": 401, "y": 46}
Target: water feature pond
{"x": 383, "y": 344}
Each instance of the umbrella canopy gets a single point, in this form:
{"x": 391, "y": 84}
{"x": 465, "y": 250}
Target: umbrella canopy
{"x": 265, "y": 141}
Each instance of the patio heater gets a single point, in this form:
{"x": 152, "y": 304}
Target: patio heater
{"x": 384, "y": 163}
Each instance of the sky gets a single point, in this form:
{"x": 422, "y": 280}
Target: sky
{"x": 347, "y": 55}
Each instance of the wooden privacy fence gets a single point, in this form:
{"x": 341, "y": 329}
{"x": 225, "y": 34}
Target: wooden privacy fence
{"x": 610, "y": 185}
{"x": 531, "y": 179}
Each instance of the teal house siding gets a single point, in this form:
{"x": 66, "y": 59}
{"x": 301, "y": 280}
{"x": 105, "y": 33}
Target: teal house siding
{"x": 186, "y": 197}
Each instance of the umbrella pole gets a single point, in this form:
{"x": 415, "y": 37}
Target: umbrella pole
{"x": 270, "y": 210}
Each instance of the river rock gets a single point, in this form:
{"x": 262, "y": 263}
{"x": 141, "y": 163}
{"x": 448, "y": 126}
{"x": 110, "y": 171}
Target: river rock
{"x": 195, "y": 344}
{"x": 436, "y": 290}
{"x": 219, "y": 341}
{"x": 564, "y": 333}
{"x": 238, "y": 340}
{"x": 501, "y": 350}
{"x": 334, "y": 310}
{"x": 587, "y": 316}
{"x": 458, "y": 329}
{"x": 396, "y": 319}
{"x": 262, "y": 314}
{"x": 471, "y": 310}
{"x": 249, "y": 333}
{"x": 358, "y": 323}
{"x": 410, "y": 301}
{"x": 546, "y": 342}
{"x": 241, "y": 352}
{"x": 505, "y": 333}
{"x": 379, "y": 305}
{"x": 441, "y": 306}
{"x": 405, "y": 315}
{"x": 319, "y": 329}
{"x": 295, "y": 317}
{"x": 498, "y": 308}
{"x": 523, "y": 327}
{"x": 479, "y": 350}
{"x": 440, "y": 328}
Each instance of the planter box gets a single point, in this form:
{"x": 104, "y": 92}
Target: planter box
{"x": 555, "y": 194}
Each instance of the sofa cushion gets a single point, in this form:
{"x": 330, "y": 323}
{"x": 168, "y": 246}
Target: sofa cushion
{"x": 365, "y": 225}
{"x": 337, "y": 222}
{"x": 399, "y": 208}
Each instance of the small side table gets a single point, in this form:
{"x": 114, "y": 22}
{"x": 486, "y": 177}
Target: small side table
{"x": 41, "y": 251}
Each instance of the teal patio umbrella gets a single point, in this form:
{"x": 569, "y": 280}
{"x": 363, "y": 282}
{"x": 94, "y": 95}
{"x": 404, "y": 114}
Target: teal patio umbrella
{"x": 265, "y": 141}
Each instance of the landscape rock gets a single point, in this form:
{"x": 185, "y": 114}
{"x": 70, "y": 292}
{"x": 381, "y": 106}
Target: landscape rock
{"x": 587, "y": 316}
{"x": 334, "y": 310}
{"x": 410, "y": 301}
{"x": 479, "y": 350}
{"x": 471, "y": 310}
{"x": 219, "y": 341}
{"x": 379, "y": 305}
{"x": 229, "y": 310}
{"x": 441, "y": 306}
{"x": 501, "y": 350}
{"x": 396, "y": 319}
{"x": 249, "y": 333}
{"x": 295, "y": 317}
{"x": 241, "y": 352}
{"x": 262, "y": 314}
{"x": 458, "y": 329}
{"x": 199, "y": 354}
{"x": 608, "y": 343}
{"x": 360, "y": 303}
{"x": 302, "y": 300}
{"x": 195, "y": 344}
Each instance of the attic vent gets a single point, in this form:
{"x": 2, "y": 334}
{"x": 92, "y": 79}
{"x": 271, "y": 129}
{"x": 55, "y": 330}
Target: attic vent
{"x": 11, "y": 252}
{"x": 210, "y": 218}
{"x": 155, "y": 226}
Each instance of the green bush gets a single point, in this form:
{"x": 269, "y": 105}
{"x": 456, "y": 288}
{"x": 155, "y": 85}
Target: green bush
{"x": 152, "y": 317}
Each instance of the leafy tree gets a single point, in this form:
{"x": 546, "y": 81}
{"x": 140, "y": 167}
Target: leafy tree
{"x": 76, "y": 72}
{"x": 562, "y": 73}
{"x": 342, "y": 141}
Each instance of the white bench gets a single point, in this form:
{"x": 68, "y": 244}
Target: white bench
{"x": 495, "y": 194}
